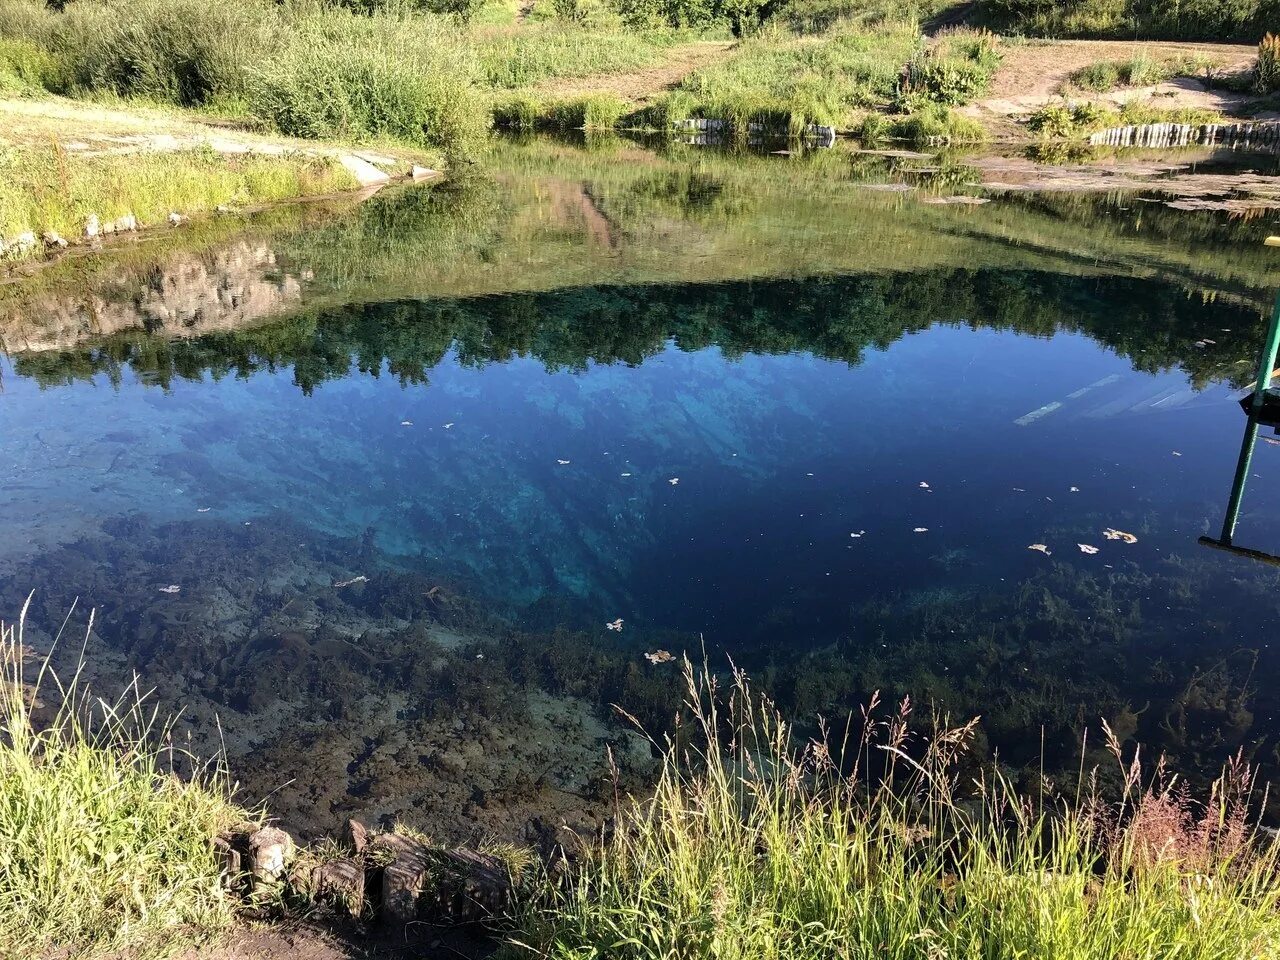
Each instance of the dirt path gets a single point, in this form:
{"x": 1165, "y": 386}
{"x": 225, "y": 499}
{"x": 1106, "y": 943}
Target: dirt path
{"x": 1033, "y": 74}
{"x": 639, "y": 85}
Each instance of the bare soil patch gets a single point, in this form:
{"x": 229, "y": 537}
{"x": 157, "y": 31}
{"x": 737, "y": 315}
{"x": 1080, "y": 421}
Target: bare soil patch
{"x": 1034, "y": 74}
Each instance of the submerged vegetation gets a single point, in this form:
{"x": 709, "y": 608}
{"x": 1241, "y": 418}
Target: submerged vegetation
{"x": 102, "y": 845}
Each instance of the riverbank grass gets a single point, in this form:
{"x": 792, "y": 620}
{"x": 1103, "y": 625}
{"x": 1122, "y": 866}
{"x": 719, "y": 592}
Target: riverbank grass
{"x": 101, "y": 846}
{"x": 47, "y": 188}
{"x": 754, "y": 847}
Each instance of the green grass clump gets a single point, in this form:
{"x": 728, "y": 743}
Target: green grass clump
{"x": 590, "y": 111}
{"x": 361, "y": 78}
{"x": 101, "y": 846}
{"x": 45, "y": 188}
{"x": 932, "y": 124}
{"x": 755, "y": 845}
{"x": 24, "y": 67}
{"x": 522, "y": 56}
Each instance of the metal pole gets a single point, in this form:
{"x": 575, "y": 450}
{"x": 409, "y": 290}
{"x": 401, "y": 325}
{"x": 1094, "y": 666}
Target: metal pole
{"x": 1237, "y": 485}
{"x": 1269, "y": 348}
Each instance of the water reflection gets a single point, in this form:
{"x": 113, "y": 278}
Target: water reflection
{"x": 405, "y": 464}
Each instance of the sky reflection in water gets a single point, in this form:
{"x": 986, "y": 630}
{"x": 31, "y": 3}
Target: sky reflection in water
{"x": 785, "y": 501}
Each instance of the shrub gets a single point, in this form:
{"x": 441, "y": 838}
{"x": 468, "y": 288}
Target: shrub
{"x": 595, "y": 111}
{"x": 1099, "y": 77}
{"x": 24, "y": 67}
{"x": 372, "y": 77}
{"x": 1064, "y": 120}
{"x": 1266, "y": 73}
{"x": 517, "y": 111}
{"x": 936, "y": 123}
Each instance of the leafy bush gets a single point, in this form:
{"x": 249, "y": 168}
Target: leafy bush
{"x": 516, "y": 111}
{"x": 1060, "y": 121}
{"x": 25, "y": 67}
{"x": 1098, "y": 77}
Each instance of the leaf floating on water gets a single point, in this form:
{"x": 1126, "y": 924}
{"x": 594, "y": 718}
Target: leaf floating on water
{"x": 674, "y": 481}
{"x": 920, "y": 530}
{"x": 1176, "y": 453}
{"x": 1111, "y": 533}
{"x": 626, "y": 474}
{"x": 564, "y": 463}
{"x": 171, "y": 588}
{"x": 1019, "y": 490}
{"x": 346, "y": 583}
{"x": 1075, "y": 489}
{"x": 860, "y": 533}
{"x": 1041, "y": 547}
{"x": 923, "y": 485}
{"x": 1085, "y": 548}
{"x": 1199, "y": 343}
{"x": 406, "y": 423}
{"x": 1212, "y": 343}
{"x": 448, "y": 426}
{"x": 615, "y": 626}
{"x": 203, "y": 509}
{"x": 660, "y": 656}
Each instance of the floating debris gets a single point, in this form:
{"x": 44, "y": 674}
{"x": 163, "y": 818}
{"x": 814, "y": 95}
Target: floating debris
{"x": 626, "y": 474}
{"x": 1075, "y": 489}
{"x": 674, "y": 481}
{"x": 338, "y": 584}
{"x": 1211, "y": 343}
{"x": 203, "y": 509}
{"x": 1041, "y": 548}
{"x": 1086, "y": 548}
{"x": 615, "y": 625}
{"x": 1176, "y": 453}
{"x": 920, "y": 530}
{"x": 1271, "y": 440}
{"x": 564, "y": 463}
{"x": 171, "y": 588}
{"x": 449, "y": 425}
{"x": 860, "y": 533}
{"x": 923, "y": 485}
{"x": 1019, "y": 490}
{"x": 406, "y": 423}
{"x": 660, "y": 656}
{"x": 1111, "y": 533}
{"x": 479, "y": 656}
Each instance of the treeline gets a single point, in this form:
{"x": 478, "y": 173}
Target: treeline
{"x": 835, "y": 318}
{"x": 1243, "y": 20}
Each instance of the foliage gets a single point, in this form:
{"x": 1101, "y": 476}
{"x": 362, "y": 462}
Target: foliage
{"x": 954, "y": 71}
{"x": 24, "y": 67}
{"x": 753, "y": 845}
{"x": 520, "y": 57}
{"x": 1266, "y": 73}
{"x": 1138, "y": 71}
{"x": 1062, "y": 120}
{"x": 359, "y": 78}
{"x": 149, "y": 186}
{"x": 593, "y": 111}
{"x": 1218, "y": 20}
{"x": 100, "y": 842}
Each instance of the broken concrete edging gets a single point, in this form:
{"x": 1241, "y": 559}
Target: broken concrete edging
{"x": 388, "y": 877}
{"x": 1242, "y": 134}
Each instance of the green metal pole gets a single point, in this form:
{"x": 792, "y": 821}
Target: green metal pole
{"x": 1268, "y": 360}
{"x": 1237, "y": 485}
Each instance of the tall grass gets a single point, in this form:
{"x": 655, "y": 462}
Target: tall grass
{"x": 101, "y": 846}
{"x": 46, "y": 188}
{"x": 755, "y": 847}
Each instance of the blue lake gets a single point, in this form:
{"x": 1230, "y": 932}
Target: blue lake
{"x": 409, "y": 545}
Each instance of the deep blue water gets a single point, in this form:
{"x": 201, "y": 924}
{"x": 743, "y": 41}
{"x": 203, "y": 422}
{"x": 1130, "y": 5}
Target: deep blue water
{"x": 843, "y": 502}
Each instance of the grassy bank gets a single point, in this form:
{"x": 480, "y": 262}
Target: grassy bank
{"x": 101, "y": 847}
{"x": 44, "y": 188}
{"x": 1219, "y": 20}
{"x": 756, "y": 846}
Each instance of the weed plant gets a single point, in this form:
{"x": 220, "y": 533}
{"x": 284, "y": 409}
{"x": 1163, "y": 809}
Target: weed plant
{"x": 101, "y": 845}
{"x": 755, "y": 846}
